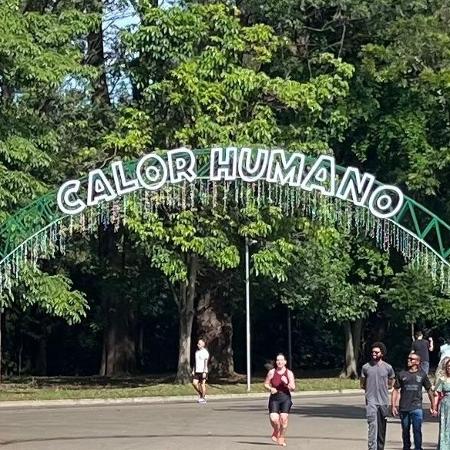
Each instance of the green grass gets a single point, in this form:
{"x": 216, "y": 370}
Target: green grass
{"x": 57, "y": 388}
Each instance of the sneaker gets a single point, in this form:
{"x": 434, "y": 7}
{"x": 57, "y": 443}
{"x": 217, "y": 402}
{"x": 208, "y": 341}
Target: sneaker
{"x": 201, "y": 400}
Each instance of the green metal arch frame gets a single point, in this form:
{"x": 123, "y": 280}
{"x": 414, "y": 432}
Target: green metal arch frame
{"x": 29, "y": 222}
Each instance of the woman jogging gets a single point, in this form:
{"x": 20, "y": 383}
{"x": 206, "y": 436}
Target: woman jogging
{"x": 280, "y": 382}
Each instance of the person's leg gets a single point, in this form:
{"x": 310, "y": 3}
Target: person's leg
{"x": 196, "y": 387}
{"x": 405, "y": 418}
{"x": 203, "y": 389}
{"x": 275, "y": 422}
{"x": 283, "y": 427}
{"x": 417, "y": 419}
{"x": 382, "y": 413}
{"x": 371, "y": 412}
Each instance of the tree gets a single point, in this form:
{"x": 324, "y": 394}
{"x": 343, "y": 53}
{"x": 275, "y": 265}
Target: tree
{"x": 416, "y": 298}
{"x": 337, "y": 277}
{"x": 38, "y": 52}
{"x": 200, "y": 77}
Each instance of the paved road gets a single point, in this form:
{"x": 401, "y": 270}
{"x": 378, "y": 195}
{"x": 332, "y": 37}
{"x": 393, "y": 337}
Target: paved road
{"x": 327, "y": 422}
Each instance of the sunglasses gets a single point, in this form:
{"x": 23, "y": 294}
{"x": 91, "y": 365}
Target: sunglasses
{"x": 413, "y": 359}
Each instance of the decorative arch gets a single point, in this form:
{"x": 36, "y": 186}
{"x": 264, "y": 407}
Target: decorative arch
{"x": 311, "y": 186}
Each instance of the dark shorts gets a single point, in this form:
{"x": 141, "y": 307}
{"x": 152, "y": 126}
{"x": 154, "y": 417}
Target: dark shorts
{"x": 199, "y": 376}
{"x": 280, "y": 403}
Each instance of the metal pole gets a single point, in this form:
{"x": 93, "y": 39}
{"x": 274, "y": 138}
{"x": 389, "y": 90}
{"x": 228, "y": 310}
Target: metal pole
{"x": 1, "y": 313}
{"x": 247, "y": 311}
{"x": 289, "y": 339}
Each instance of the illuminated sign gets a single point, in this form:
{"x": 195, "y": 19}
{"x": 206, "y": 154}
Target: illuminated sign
{"x": 153, "y": 171}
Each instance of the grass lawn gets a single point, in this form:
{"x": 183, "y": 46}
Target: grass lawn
{"x": 54, "y": 388}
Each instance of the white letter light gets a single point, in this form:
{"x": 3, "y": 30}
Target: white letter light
{"x": 250, "y": 171}
{"x": 181, "y": 164}
{"x": 151, "y": 176}
{"x": 353, "y": 188}
{"x": 65, "y": 204}
{"x": 226, "y": 164}
{"x": 321, "y": 176}
{"x": 283, "y": 172}
{"x": 381, "y": 201}
{"x": 123, "y": 186}
{"x": 99, "y": 188}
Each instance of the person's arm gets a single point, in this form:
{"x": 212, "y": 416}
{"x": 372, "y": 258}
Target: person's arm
{"x": 395, "y": 396}
{"x": 362, "y": 380}
{"x": 437, "y": 395}
{"x": 267, "y": 381}
{"x": 431, "y": 344}
{"x": 291, "y": 381}
{"x": 395, "y": 401}
{"x": 205, "y": 365}
{"x": 391, "y": 378}
{"x": 362, "y": 383}
{"x": 431, "y": 396}
{"x": 426, "y": 383}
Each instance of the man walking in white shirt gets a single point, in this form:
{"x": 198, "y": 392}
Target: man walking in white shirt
{"x": 200, "y": 371}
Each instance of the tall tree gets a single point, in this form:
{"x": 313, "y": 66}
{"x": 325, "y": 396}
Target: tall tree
{"x": 200, "y": 76}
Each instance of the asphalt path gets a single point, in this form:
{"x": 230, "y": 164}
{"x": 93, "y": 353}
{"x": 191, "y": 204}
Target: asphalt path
{"x": 316, "y": 423}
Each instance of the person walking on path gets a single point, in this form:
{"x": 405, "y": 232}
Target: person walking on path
{"x": 377, "y": 377}
{"x": 406, "y": 400}
{"x": 442, "y": 405}
{"x": 280, "y": 382}
{"x": 200, "y": 371}
{"x": 423, "y": 347}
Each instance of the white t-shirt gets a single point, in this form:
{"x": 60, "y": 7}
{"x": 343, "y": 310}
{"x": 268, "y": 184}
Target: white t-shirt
{"x": 200, "y": 357}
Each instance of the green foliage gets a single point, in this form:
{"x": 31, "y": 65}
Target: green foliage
{"x": 366, "y": 80}
{"x": 167, "y": 241}
{"x": 51, "y": 294}
{"x": 334, "y": 275}
{"x": 41, "y": 59}
{"x": 39, "y": 53}
{"x": 416, "y": 298}
{"x": 201, "y": 75}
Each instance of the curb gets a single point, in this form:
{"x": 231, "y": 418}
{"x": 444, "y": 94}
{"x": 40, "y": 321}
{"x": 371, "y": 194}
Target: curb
{"x": 169, "y": 399}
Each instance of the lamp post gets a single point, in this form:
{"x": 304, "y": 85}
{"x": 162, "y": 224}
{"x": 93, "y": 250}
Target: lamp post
{"x": 247, "y": 311}
{"x": 248, "y": 242}
{"x": 289, "y": 330}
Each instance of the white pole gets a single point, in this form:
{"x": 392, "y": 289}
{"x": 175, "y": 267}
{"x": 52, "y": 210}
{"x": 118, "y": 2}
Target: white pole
{"x": 247, "y": 311}
{"x": 289, "y": 338}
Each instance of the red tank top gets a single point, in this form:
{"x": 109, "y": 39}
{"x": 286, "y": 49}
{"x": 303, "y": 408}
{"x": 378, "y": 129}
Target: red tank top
{"x": 278, "y": 384}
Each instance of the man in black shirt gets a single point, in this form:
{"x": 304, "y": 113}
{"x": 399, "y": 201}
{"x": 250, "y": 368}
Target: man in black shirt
{"x": 423, "y": 347}
{"x": 407, "y": 399}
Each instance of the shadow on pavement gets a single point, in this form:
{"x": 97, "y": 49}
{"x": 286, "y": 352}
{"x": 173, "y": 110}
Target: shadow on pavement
{"x": 333, "y": 411}
{"x": 168, "y": 436}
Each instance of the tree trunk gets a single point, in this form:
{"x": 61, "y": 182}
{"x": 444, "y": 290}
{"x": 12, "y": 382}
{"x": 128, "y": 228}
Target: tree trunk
{"x": 96, "y": 57}
{"x": 350, "y": 360}
{"x": 215, "y": 326}
{"x": 140, "y": 346}
{"x": 119, "y": 348}
{"x": 119, "y": 352}
{"x": 357, "y": 336}
{"x": 185, "y": 303}
{"x": 41, "y": 357}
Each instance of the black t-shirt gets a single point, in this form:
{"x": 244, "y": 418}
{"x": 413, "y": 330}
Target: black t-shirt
{"x": 421, "y": 348}
{"x": 410, "y": 385}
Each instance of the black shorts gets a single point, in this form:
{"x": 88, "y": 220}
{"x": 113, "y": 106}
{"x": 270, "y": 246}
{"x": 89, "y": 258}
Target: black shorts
{"x": 280, "y": 403}
{"x": 199, "y": 376}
